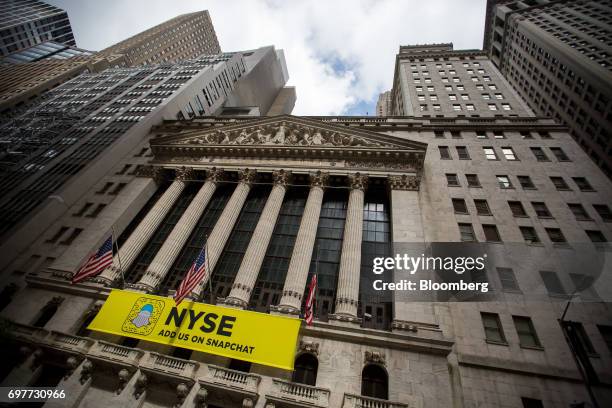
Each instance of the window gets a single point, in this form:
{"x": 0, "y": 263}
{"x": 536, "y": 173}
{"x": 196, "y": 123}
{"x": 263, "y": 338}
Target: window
{"x": 604, "y": 212}
{"x": 96, "y": 211}
{"x": 70, "y": 238}
{"x": 579, "y": 212}
{"x": 506, "y": 106}
{"x": 526, "y": 332}
{"x": 470, "y": 107}
{"x": 493, "y": 87}
{"x": 526, "y": 183}
{"x": 584, "y": 285}
{"x": 504, "y": 182}
{"x": 555, "y": 235}
{"x": 305, "y": 369}
{"x": 47, "y": 312}
{"x": 423, "y": 108}
{"x": 492, "y": 107}
{"x": 456, "y": 135}
{"x": 459, "y": 206}
{"x": 439, "y": 134}
{"x": 559, "y": 183}
{"x": 596, "y": 236}
{"x": 581, "y": 335}
{"x": 490, "y": 153}
{"x": 509, "y": 153}
{"x": 456, "y": 107}
{"x": 462, "y": 153}
{"x": 541, "y": 209}
{"x": 104, "y": 188}
{"x": 482, "y": 207}
{"x": 57, "y": 235}
{"x": 466, "y": 232}
{"x": 529, "y": 235}
{"x": 552, "y": 283}
{"x": 539, "y": 154}
{"x": 481, "y": 135}
{"x": 559, "y": 154}
{"x": 83, "y": 209}
{"x": 472, "y": 180}
{"x": 606, "y": 333}
{"x": 444, "y": 152}
{"x": 499, "y": 96}
{"x": 374, "y": 382}
{"x": 493, "y": 329}
{"x": 465, "y": 97}
{"x": 498, "y": 135}
{"x": 421, "y": 97}
{"x": 508, "y": 280}
{"x": 117, "y": 189}
{"x": 491, "y": 233}
{"x": 486, "y": 97}
{"x": 526, "y": 135}
{"x": 452, "y": 179}
{"x": 240, "y": 365}
{"x": 531, "y": 403}
{"x": 517, "y": 209}
{"x": 582, "y": 184}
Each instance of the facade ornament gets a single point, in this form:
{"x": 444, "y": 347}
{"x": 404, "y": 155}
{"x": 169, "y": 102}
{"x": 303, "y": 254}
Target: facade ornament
{"x": 270, "y": 405}
{"x": 72, "y": 364}
{"x": 319, "y": 179}
{"x": 375, "y": 357}
{"x": 404, "y": 182}
{"x": 184, "y": 174}
{"x": 154, "y": 172}
{"x": 140, "y": 386}
{"x": 124, "y": 377}
{"x": 247, "y": 175}
{"x": 358, "y": 181}
{"x": 181, "y": 391}
{"x": 86, "y": 371}
{"x": 281, "y": 177}
{"x": 215, "y": 175}
{"x": 247, "y": 403}
{"x": 307, "y": 346}
{"x": 200, "y": 398}
{"x": 403, "y": 325}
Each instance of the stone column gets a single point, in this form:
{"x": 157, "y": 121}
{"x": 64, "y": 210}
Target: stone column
{"x": 223, "y": 228}
{"x": 142, "y": 234}
{"x": 167, "y": 254}
{"x": 350, "y": 260}
{"x": 256, "y": 250}
{"x": 299, "y": 265}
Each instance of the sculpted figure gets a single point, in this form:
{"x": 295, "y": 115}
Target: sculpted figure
{"x": 279, "y": 137}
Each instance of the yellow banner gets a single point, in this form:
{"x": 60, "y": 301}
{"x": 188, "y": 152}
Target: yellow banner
{"x": 251, "y": 336}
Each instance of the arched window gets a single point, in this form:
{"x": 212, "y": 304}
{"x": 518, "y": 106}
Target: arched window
{"x": 47, "y": 312}
{"x": 305, "y": 369}
{"x": 374, "y": 382}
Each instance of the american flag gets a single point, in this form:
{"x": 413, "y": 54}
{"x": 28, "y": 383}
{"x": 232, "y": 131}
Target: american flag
{"x": 309, "y": 313}
{"x": 195, "y": 274}
{"x": 96, "y": 263}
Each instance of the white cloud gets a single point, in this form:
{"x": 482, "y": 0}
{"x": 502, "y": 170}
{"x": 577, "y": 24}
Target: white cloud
{"x": 361, "y": 37}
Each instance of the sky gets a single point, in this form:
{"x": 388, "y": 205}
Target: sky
{"x": 340, "y": 54}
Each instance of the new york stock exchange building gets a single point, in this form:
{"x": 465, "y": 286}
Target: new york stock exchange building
{"x": 277, "y": 200}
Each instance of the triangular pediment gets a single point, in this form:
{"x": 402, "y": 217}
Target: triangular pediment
{"x": 289, "y": 136}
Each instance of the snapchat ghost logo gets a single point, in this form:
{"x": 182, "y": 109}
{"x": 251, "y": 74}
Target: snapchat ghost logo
{"x": 143, "y": 316}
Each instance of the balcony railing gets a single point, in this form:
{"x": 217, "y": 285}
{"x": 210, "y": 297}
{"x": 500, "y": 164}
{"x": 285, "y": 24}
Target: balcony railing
{"x": 300, "y": 393}
{"x": 170, "y": 365}
{"x": 232, "y": 379}
{"x": 69, "y": 342}
{"x": 358, "y": 401}
{"x": 114, "y": 352}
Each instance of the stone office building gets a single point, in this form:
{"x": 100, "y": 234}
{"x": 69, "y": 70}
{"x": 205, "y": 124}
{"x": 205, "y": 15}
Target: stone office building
{"x": 282, "y": 197}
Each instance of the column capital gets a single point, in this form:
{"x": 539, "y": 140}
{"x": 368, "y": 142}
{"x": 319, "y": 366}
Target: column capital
{"x": 319, "y": 179}
{"x": 403, "y": 182}
{"x": 247, "y": 175}
{"x": 184, "y": 174}
{"x": 281, "y": 177}
{"x": 358, "y": 181}
{"x": 154, "y": 172}
{"x": 215, "y": 175}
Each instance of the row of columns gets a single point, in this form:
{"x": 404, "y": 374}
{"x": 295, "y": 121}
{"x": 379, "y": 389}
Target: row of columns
{"x": 246, "y": 277}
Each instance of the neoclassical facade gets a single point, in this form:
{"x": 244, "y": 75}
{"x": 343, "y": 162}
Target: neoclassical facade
{"x": 278, "y": 199}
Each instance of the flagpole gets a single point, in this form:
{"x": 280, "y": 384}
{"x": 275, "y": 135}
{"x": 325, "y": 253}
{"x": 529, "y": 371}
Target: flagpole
{"x": 118, "y": 257}
{"x": 208, "y": 269}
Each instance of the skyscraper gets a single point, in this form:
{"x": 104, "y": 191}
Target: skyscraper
{"x": 183, "y": 37}
{"x": 24, "y": 23}
{"x": 85, "y": 125}
{"x": 558, "y": 56}
{"x": 383, "y": 105}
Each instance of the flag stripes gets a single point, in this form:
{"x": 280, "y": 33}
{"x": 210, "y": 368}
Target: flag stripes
{"x": 194, "y": 276}
{"x": 309, "y": 312}
{"x": 97, "y": 262}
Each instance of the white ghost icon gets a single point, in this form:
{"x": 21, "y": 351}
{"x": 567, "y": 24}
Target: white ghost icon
{"x": 143, "y": 316}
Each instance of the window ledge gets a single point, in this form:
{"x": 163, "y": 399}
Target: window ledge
{"x": 497, "y": 343}
{"x": 540, "y": 348}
